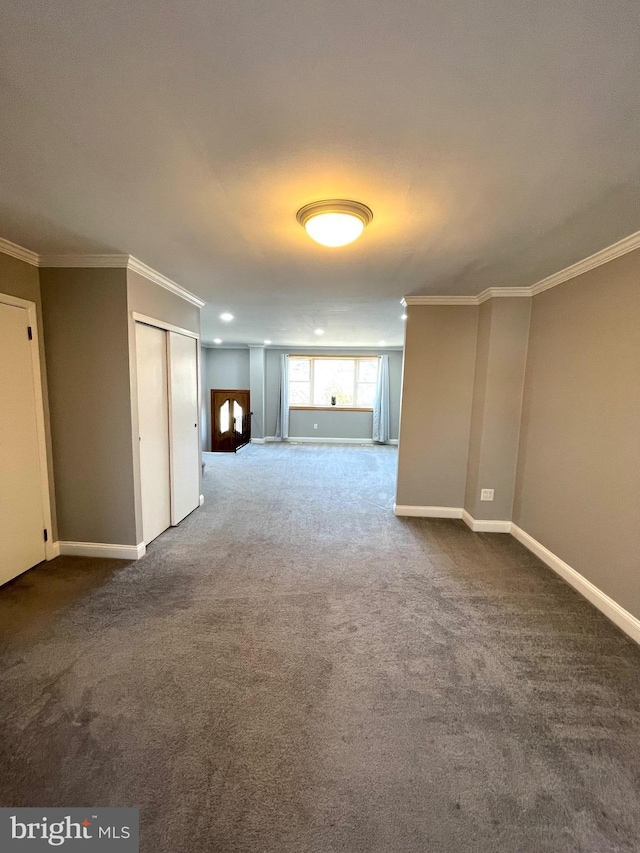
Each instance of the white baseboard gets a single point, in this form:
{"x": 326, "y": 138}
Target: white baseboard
{"x": 309, "y": 439}
{"x": 318, "y": 440}
{"x": 621, "y": 617}
{"x": 51, "y": 550}
{"x": 201, "y": 499}
{"x": 485, "y": 525}
{"x": 478, "y": 526}
{"x": 428, "y": 511}
{"x": 100, "y": 549}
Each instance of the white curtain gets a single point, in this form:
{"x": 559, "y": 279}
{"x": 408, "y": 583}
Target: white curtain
{"x": 381, "y": 402}
{"x": 282, "y": 421}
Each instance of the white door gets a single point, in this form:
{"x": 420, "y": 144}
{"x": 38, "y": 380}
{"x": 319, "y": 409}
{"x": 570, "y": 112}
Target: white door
{"x": 21, "y": 510}
{"x": 185, "y": 448}
{"x": 153, "y": 426}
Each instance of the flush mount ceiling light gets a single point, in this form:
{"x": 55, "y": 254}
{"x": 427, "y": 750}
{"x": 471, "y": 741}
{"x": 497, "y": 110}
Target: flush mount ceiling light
{"x": 217, "y": 341}
{"x": 334, "y": 222}
{"x": 226, "y": 317}
{"x": 318, "y": 331}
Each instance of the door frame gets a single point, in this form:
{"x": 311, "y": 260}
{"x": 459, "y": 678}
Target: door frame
{"x": 167, "y": 327}
{"x": 51, "y": 548}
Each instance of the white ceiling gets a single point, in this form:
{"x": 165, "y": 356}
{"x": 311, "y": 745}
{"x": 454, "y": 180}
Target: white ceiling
{"x": 495, "y": 142}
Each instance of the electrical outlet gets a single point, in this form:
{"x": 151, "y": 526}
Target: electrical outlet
{"x": 315, "y": 426}
{"x": 486, "y": 494}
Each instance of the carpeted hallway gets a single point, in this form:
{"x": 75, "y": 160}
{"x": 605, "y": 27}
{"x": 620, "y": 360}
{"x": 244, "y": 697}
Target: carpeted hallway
{"x": 295, "y": 670}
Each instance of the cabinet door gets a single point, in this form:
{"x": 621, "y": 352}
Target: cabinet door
{"x": 185, "y": 443}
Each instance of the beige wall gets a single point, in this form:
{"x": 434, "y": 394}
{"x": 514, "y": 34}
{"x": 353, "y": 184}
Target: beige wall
{"x": 87, "y": 353}
{"x": 578, "y": 483}
{"x": 439, "y": 363}
{"x": 503, "y": 331}
{"x": 20, "y": 279}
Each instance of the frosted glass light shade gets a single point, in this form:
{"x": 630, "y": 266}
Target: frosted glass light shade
{"x": 335, "y": 222}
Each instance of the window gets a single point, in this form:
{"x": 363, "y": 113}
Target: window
{"x": 314, "y": 381}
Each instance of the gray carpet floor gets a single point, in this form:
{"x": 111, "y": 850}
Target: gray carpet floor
{"x": 294, "y": 669}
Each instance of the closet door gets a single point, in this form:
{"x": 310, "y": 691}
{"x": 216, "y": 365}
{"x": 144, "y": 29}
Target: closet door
{"x": 153, "y": 420}
{"x": 183, "y": 407}
{"x": 21, "y": 510}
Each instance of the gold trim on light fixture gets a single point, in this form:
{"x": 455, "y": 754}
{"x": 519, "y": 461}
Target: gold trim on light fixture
{"x": 335, "y": 214}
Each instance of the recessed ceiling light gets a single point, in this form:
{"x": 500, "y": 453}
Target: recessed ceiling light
{"x": 334, "y": 222}
{"x": 267, "y": 342}
{"x": 404, "y": 317}
{"x": 226, "y": 317}
{"x": 382, "y": 343}
{"x": 318, "y": 331}
{"x": 217, "y": 341}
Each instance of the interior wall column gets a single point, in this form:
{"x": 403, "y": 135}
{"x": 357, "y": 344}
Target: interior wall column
{"x": 501, "y": 352}
{"x": 257, "y": 379}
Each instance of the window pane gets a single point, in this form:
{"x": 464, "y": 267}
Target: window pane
{"x": 237, "y": 416}
{"x": 224, "y": 417}
{"x": 299, "y": 394}
{"x": 333, "y": 378}
{"x": 368, "y": 370}
{"x": 299, "y": 369}
{"x": 366, "y": 394}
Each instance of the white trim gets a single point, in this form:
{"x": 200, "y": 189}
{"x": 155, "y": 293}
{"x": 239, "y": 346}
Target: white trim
{"x": 46, "y": 490}
{"x": 485, "y": 526}
{"x": 52, "y": 550}
{"x": 100, "y": 261}
{"x": 309, "y": 439}
{"x": 160, "y": 324}
{"x": 622, "y": 247}
{"x": 440, "y": 300}
{"x": 262, "y": 440}
{"x": 19, "y": 252}
{"x": 428, "y": 511}
{"x": 100, "y": 549}
{"x": 84, "y": 261}
{"x": 621, "y": 617}
{"x": 201, "y": 500}
{"x": 153, "y": 275}
{"x": 493, "y": 292}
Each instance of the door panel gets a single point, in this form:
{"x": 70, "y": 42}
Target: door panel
{"x": 230, "y": 420}
{"x": 21, "y": 510}
{"x": 153, "y": 420}
{"x": 185, "y": 445}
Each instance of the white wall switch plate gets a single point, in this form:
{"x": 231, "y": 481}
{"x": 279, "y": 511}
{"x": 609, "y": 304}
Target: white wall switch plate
{"x": 315, "y": 426}
{"x": 486, "y": 494}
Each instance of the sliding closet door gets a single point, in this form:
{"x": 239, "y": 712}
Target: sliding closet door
{"x": 153, "y": 419}
{"x": 185, "y": 447}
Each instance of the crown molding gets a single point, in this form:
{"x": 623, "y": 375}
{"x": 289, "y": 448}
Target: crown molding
{"x": 493, "y": 292}
{"x": 99, "y": 262}
{"x": 622, "y": 247}
{"x": 439, "y": 300}
{"x": 84, "y": 261}
{"x": 153, "y": 275}
{"x": 15, "y": 251}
